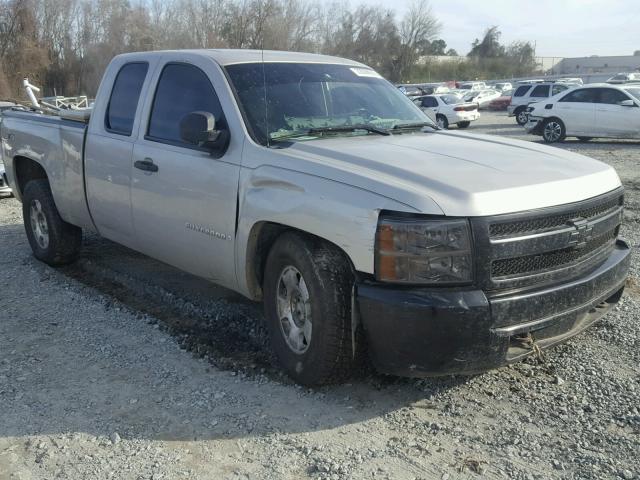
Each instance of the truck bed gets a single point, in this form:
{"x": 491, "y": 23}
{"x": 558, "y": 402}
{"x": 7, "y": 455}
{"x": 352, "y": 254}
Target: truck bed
{"x": 57, "y": 144}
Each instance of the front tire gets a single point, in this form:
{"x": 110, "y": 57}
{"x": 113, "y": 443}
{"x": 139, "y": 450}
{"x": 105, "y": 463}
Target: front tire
{"x": 463, "y": 124}
{"x": 307, "y": 300}
{"x": 553, "y": 130}
{"x": 53, "y": 241}
{"x": 442, "y": 122}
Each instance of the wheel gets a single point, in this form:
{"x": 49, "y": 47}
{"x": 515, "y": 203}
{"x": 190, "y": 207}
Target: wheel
{"x": 521, "y": 116}
{"x": 553, "y": 130}
{"x": 52, "y": 240}
{"x": 585, "y": 139}
{"x": 463, "y": 124}
{"x": 307, "y": 300}
{"x": 442, "y": 121}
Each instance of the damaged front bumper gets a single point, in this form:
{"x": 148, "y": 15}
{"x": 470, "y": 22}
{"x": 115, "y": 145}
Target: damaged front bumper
{"x": 422, "y": 332}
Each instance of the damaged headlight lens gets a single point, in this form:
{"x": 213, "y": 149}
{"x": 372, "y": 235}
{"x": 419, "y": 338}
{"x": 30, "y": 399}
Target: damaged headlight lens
{"x": 416, "y": 250}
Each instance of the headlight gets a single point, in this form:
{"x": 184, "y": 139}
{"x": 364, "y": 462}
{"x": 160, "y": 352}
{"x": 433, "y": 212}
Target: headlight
{"x": 423, "y": 251}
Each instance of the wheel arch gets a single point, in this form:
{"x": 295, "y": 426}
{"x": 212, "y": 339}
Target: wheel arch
{"x": 262, "y": 236}
{"x": 26, "y": 169}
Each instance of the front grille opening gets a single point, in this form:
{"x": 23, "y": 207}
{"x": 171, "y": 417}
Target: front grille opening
{"x": 531, "y": 264}
{"x": 542, "y": 224}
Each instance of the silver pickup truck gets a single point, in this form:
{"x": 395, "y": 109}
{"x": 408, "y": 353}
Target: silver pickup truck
{"x": 312, "y": 184}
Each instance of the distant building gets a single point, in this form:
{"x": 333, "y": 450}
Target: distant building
{"x": 425, "y": 59}
{"x": 595, "y": 64}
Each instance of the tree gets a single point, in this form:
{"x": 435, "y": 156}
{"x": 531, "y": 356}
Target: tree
{"x": 489, "y": 46}
{"x": 435, "y": 48}
{"x": 418, "y": 26}
{"x": 452, "y": 53}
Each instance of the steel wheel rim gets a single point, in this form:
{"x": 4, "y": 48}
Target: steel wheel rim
{"x": 39, "y": 225}
{"x": 552, "y": 131}
{"x": 294, "y": 310}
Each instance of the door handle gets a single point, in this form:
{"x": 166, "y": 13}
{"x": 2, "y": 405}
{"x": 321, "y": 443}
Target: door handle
{"x": 146, "y": 165}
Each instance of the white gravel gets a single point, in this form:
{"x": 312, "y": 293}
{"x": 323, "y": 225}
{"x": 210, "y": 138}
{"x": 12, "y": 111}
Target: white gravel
{"x": 119, "y": 367}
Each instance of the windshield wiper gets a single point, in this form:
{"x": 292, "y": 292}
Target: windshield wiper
{"x": 350, "y": 128}
{"x": 309, "y": 132}
{"x": 412, "y": 126}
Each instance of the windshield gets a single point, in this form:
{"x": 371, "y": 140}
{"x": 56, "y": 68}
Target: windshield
{"x": 451, "y": 99}
{"x": 306, "y": 96}
{"x": 634, "y": 91}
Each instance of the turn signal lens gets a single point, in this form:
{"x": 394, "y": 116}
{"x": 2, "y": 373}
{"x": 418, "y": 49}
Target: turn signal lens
{"x": 416, "y": 250}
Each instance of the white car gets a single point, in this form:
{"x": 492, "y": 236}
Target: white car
{"x": 502, "y": 86}
{"x": 472, "y": 86}
{"x": 624, "y": 78}
{"x": 5, "y": 189}
{"x": 449, "y": 109}
{"x": 595, "y": 110}
{"x": 482, "y": 97}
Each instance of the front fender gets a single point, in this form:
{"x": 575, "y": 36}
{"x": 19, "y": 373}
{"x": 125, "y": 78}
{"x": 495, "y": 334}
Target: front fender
{"x": 344, "y": 215}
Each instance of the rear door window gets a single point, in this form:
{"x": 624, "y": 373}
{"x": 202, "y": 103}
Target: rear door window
{"x": 429, "y": 102}
{"x": 121, "y": 110}
{"x": 540, "y": 91}
{"x": 522, "y": 90}
{"x": 584, "y": 95}
{"x": 610, "y": 96}
{"x": 181, "y": 89}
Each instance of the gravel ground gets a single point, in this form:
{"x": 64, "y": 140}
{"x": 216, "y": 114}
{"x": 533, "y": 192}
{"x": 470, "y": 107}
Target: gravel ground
{"x": 121, "y": 367}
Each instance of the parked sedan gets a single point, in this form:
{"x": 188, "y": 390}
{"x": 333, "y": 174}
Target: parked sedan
{"x": 449, "y": 109}
{"x": 595, "y": 110}
{"x": 502, "y": 102}
{"x": 482, "y": 97}
{"x": 624, "y": 78}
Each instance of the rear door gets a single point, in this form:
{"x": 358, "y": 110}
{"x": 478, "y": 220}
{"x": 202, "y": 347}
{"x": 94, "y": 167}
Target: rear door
{"x": 577, "y": 111}
{"x": 613, "y": 119}
{"x": 184, "y": 212}
{"x": 109, "y": 146}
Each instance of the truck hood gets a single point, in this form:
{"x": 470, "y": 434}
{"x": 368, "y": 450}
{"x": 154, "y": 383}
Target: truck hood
{"x": 463, "y": 174}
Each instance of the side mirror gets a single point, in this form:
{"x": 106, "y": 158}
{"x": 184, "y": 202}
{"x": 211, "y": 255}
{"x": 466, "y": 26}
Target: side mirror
{"x": 199, "y": 128}
{"x": 627, "y": 103}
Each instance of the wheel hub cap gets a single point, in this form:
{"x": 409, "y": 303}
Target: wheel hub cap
{"x": 39, "y": 225}
{"x": 552, "y": 131}
{"x": 294, "y": 310}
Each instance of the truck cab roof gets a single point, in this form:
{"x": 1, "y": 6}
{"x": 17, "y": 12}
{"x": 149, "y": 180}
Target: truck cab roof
{"x": 224, "y": 56}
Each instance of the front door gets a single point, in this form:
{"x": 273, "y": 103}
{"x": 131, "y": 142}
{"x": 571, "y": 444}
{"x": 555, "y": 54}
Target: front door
{"x": 183, "y": 197}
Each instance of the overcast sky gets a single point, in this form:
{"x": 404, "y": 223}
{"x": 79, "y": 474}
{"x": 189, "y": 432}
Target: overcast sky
{"x": 560, "y": 28}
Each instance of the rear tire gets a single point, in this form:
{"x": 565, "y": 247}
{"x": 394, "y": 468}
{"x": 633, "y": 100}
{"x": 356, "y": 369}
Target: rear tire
{"x": 307, "y": 300}
{"x": 553, "y": 130}
{"x": 521, "y": 116}
{"x": 442, "y": 121}
{"x": 53, "y": 241}
{"x": 463, "y": 124}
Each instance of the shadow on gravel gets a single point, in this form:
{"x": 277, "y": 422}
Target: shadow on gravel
{"x": 61, "y": 379}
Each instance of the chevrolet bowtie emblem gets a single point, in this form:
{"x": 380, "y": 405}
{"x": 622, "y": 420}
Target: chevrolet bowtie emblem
{"x": 581, "y": 235}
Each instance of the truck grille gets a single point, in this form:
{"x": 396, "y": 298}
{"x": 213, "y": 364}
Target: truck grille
{"x": 546, "y": 245}
{"x": 553, "y": 221}
{"x": 549, "y": 260}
